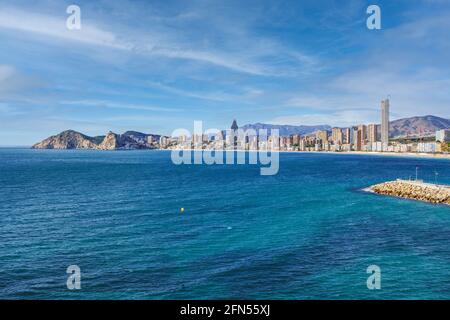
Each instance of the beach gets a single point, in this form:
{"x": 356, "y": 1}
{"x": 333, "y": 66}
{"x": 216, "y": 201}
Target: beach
{"x": 365, "y": 153}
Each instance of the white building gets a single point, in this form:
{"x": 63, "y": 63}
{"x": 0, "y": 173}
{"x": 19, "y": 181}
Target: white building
{"x": 427, "y": 147}
{"x": 443, "y": 135}
{"x": 163, "y": 141}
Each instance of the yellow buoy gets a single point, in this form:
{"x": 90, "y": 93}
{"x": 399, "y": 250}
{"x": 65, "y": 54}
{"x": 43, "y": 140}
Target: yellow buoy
{"x": 182, "y": 210}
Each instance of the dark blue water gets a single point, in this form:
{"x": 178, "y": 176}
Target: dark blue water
{"x": 304, "y": 233}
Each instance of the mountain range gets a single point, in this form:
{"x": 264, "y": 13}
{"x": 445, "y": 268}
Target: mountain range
{"x": 414, "y": 126}
{"x": 286, "y": 130}
{"x": 417, "y": 126}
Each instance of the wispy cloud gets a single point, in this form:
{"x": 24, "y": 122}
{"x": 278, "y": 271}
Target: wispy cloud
{"x": 208, "y": 95}
{"x": 116, "y": 105}
{"x": 13, "y": 81}
{"x": 259, "y": 59}
{"x": 51, "y": 26}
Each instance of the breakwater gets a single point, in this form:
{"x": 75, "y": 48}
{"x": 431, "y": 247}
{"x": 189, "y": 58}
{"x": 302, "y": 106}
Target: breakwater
{"x": 416, "y": 190}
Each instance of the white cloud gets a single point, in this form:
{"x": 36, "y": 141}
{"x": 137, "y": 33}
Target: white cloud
{"x": 55, "y": 27}
{"x": 208, "y": 95}
{"x": 6, "y": 72}
{"x": 117, "y": 105}
{"x": 163, "y": 42}
{"x": 51, "y": 26}
{"x": 221, "y": 60}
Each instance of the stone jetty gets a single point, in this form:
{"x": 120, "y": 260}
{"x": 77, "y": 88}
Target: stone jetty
{"x": 416, "y": 190}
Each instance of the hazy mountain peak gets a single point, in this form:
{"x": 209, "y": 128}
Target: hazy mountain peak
{"x": 418, "y": 125}
{"x": 287, "y": 130}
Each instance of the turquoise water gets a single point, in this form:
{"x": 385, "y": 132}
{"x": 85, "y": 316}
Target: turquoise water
{"x": 306, "y": 233}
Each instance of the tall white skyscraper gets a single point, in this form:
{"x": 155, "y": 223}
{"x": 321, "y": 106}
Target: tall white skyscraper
{"x": 385, "y": 121}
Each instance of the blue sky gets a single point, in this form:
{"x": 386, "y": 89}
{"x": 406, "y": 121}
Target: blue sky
{"x": 155, "y": 66}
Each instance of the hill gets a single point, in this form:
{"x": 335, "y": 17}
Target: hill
{"x": 415, "y": 126}
{"x": 71, "y": 139}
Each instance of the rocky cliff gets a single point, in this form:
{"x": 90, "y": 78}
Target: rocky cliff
{"x": 114, "y": 141}
{"x": 74, "y": 140}
{"x": 67, "y": 140}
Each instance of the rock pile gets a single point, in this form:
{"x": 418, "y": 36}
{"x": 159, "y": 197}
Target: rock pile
{"x": 414, "y": 190}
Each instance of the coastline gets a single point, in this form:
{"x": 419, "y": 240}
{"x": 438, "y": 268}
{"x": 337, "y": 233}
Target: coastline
{"x": 387, "y": 154}
{"x": 366, "y": 153}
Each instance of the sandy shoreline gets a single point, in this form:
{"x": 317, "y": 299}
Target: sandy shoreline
{"x": 386, "y": 154}
{"x": 364, "y": 153}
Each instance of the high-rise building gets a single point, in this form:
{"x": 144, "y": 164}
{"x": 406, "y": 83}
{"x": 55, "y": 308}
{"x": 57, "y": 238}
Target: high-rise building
{"x": 253, "y": 143}
{"x": 163, "y": 141}
{"x": 385, "y": 122}
{"x": 296, "y": 139}
{"x": 197, "y": 138}
{"x": 363, "y": 137}
{"x": 234, "y": 125}
{"x": 358, "y": 139}
{"x": 347, "y": 136}
{"x": 336, "y": 135}
{"x": 372, "y": 133}
{"x": 302, "y": 145}
{"x": 443, "y": 135}
{"x": 363, "y": 129}
{"x": 234, "y": 134}
{"x": 354, "y": 135}
{"x": 322, "y": 135}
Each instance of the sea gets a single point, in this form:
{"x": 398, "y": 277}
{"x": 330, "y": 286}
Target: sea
{"x": 140, "y": 227}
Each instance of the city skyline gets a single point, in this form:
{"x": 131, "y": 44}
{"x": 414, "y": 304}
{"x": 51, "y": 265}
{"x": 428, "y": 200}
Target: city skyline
{"x": 364, "y": 133}
{"x": 360, "y": 138}
{"x": 156, "y": 66}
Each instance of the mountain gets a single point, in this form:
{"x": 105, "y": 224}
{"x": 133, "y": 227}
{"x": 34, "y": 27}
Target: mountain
{"x": 67, "y": 140}
{"x": 141, "y": 137}
{"x": 286, "y": 130}
{"x": 71, "y": 139}
{"x": 130, "y": 140}
{"x": 415, "y": 126}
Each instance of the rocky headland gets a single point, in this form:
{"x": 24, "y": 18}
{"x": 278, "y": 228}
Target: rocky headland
{"x": 130, "y": 140}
